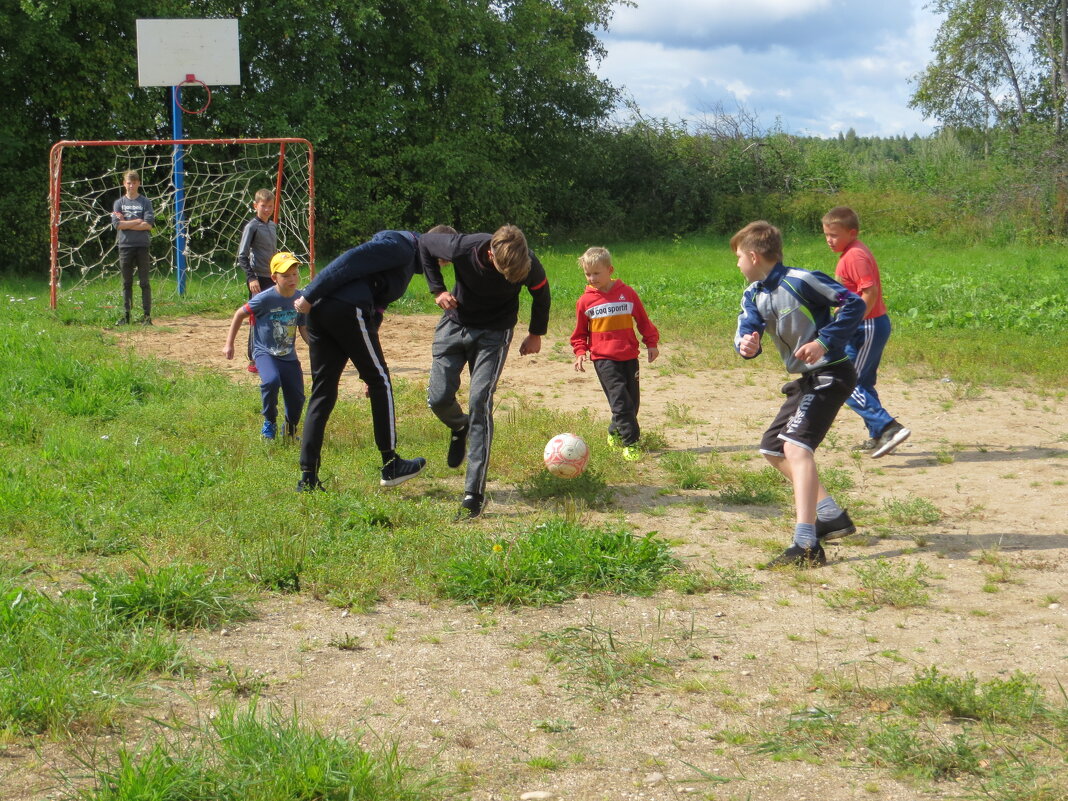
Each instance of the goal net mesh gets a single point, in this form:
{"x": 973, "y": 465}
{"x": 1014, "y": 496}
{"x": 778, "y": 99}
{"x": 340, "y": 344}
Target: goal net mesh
{"x": 220, "y": 179}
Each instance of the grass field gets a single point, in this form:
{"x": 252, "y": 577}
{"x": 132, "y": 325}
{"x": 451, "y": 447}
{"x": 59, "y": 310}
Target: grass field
{"x": 123, "y": 484}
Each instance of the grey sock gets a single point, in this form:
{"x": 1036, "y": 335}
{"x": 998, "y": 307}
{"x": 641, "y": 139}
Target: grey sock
{"x": 805, "y": 535}
{"x": 828, "y": 509}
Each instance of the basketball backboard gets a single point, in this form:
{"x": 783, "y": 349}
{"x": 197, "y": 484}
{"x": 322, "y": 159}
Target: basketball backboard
{"x": 170, "y": 50}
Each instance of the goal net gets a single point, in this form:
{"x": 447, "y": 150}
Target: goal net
{"x": 212, "y": 182}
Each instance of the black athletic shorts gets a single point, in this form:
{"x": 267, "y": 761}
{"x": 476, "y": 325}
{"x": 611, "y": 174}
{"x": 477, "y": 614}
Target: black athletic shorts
{"x": 812, "y": 403}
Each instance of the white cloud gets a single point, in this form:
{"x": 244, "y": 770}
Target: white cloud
{"x": 818, "y": 66}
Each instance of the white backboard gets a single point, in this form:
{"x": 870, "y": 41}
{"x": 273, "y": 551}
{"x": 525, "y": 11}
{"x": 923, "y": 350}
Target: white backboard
{"x": 168, "y": 50}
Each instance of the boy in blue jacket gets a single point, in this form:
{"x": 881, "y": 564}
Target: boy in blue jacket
{"x": 793, "y": 307}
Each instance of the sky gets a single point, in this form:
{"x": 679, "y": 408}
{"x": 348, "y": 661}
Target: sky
{"x": 818, "y": 67}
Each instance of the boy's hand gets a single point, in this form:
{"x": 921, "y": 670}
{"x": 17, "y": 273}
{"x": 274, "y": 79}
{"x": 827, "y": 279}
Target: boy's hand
{"x": 118, "y": 215}
{"x": 254, "y": 285}
{"x": 653, "y": 353}
{"x": 811, "y": 352}
{"x": 579, "y": 361}
{"x": 532, "y": 344}
{"x": 301, "y": 305}
{"x": 446, "y": 300}
{"x": 750, "y": 345}
{"x": 228, "y": 350}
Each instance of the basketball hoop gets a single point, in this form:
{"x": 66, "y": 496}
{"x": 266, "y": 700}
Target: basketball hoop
{"x": 192, "y": 79}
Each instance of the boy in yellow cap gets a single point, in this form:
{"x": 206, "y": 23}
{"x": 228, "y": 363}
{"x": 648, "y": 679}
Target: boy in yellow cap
{"x": 273, "y": 343}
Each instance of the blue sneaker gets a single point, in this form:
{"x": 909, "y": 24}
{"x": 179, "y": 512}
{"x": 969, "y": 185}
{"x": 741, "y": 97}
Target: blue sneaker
{"x": 269, "y": 430}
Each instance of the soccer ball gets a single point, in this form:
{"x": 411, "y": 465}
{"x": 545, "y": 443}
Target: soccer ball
{"x": 566, "y": 456}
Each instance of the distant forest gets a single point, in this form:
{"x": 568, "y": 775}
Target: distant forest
{"x": 474, "y": 114}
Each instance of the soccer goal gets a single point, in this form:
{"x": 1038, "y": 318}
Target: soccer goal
{"x": 201, "y": 192}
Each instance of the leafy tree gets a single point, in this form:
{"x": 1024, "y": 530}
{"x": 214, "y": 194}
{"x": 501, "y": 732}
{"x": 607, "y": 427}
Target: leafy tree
{"x": 1000, "y": 62}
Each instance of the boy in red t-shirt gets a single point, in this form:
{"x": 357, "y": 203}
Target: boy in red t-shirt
{"x": 858, "y": 272}
{"x": 606, "y": 314}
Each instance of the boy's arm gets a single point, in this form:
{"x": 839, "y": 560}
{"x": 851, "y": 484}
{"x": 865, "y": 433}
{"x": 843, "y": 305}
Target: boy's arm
{"x": 824, "y": 291}
{"x": 649, "y": 332}
{"x": 244, "y": 249}
{"x": 750, "y": 327}
{"x": 235, "y": 325}
{"x": 433, "y": 247}
{"x": 580, "y": 337}
{"x": 541, "y": 299}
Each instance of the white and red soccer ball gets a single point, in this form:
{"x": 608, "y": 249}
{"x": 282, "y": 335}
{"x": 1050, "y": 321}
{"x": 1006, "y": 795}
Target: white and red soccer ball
{"x": 566, "y": 455}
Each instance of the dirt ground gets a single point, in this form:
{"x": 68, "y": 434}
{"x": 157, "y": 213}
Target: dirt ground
{"x": 467, "y": 691}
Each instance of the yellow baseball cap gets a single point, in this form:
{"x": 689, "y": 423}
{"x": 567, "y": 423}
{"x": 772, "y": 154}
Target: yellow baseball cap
{"x": 281, "y": 262}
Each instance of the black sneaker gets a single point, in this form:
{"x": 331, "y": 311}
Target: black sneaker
{"x": 457, "y": 447}
{"x": 893, "y": 435}
{"x": 471, "y": 507}
{"x": 310, "y": 483}
{"x": 400, "y": 470}
{"x": 290, "y": 431}
{"x": 841, "y": 526}
{"x": 124, "y": 320}
{"x": 796, "y": 556}
{"x": 146, "y": 320}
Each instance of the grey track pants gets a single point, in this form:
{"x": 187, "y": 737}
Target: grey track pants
{"x": 484, "y": 352}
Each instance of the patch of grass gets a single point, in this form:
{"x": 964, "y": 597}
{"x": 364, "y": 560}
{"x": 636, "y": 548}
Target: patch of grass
{"x": 553, "y": 562}
{"x": 599, "y": 663}
{"x": 1015, "y": 700}
{"x": 248, "y": 755}
{"x": 684, "y": 470}
{"x": 71, "y": 664}
{"x": 807, "y": 736}
{"x": 923, "y": 754}
{"x": 911, "y": 511}
{"x": 740, "y": 487}
{"x": 590, "y": 489}
{"x": 884, "y": 583}
{"x": 178, "y": 596}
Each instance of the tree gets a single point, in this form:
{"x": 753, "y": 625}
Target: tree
{"x": 997, "y": 62}
{"x": 424, "y": 111}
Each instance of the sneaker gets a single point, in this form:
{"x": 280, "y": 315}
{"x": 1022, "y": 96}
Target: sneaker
{"x": 471, "y": 507}
{"x": 269, "y": 430}
{"x": 631, "y": 453}
{"x": 290, "y": 430}
{"x": 796, "y": 556}
{"x": 841, "y": 526}
{"x": 457, "y": 447}
{"x": 146, "y": 320}
{"x": 124, "y": 320}
{"x": 869, "y": 444}
{"x": 310, "y": 483}
{"x": 614, "y": 441}
{"x": 892, "y": 436}
{"x": 252, "y": 368}
{"x": 400, "y": 470}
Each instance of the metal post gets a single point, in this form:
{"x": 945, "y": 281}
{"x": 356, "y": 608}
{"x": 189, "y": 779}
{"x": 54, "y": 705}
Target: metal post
{"x": 178, "y": 175}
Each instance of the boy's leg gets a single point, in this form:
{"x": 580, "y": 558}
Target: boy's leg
{"x": 491, "y": 351}
{"x": 450, "y": 354}
{"x": 126, "y": 267}
{"x": 865, "y": 350}
{"x": 812, "y": 403}
{"x": 359, "y": 338}
{"x": 328, "y": 361}
{"x": 619, "y": 380}
{"x": 292, "y": 381}
{"x": 144, "y": 266}
{"x": 270, "y": 381}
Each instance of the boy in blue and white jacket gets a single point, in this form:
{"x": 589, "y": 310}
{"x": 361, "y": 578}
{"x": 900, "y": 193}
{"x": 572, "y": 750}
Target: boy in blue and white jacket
{"x": 793, "y": 307}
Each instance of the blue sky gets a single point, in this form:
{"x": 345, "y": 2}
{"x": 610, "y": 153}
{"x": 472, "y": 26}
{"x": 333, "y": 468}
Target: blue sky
{"x": 819, "y": 66}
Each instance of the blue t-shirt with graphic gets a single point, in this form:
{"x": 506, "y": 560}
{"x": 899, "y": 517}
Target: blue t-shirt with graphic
{"x": 276, "y": 324}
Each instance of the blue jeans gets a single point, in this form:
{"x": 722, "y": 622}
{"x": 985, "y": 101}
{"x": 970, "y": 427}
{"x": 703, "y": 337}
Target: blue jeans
{"x": 284, "y": 374}
{"x": 865, "y": 350}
